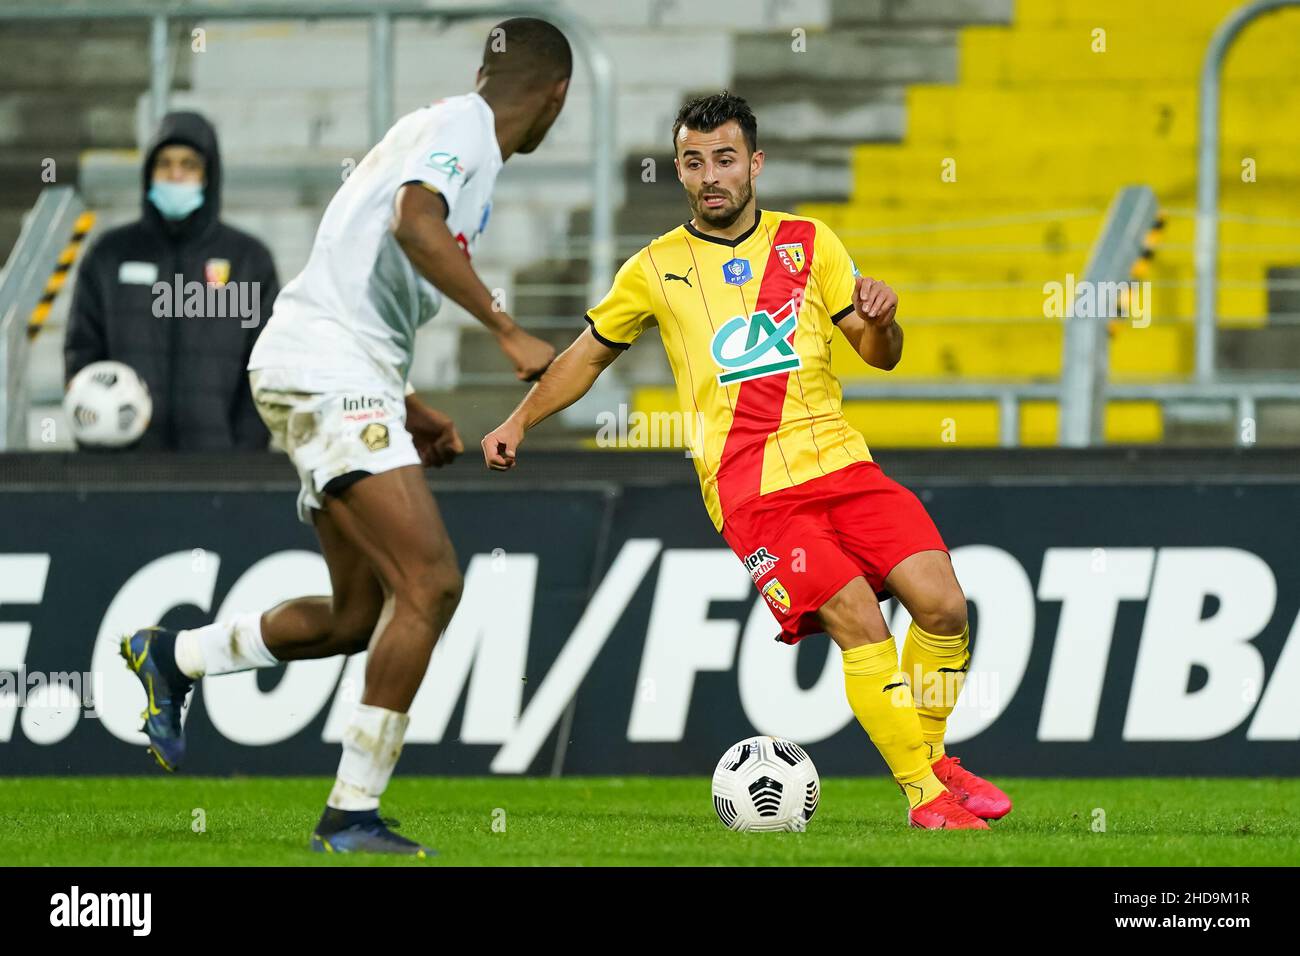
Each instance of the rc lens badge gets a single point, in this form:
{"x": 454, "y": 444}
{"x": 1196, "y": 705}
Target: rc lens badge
{"x": 375, "y": 436}
{"x": 791, "y": 256}
{"x": 216, "y": 271}
{"x": 777, "y": 596}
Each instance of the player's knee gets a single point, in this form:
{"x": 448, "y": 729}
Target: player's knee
{"x": 448, "y": 586}
{"x": 432, "y": 589}
{"x": 353, "y": 635}
{"x": 947, "y": 615}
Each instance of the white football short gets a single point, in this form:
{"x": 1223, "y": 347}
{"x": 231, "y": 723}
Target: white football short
{"x": 332, "y": 431}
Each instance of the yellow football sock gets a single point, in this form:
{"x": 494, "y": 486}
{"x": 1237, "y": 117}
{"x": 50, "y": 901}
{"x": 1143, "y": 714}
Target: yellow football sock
{"x": 936, "y": 666}
{"x": 882, "y": 702}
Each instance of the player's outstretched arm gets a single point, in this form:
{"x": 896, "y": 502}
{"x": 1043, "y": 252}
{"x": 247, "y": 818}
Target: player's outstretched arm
{"x": 566, "y": 381}
{"x": 420, "y": 229}
{"x": 872, "y": 328}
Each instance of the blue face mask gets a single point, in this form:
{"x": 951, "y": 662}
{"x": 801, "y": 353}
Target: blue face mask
{"x": 176, "y": 200}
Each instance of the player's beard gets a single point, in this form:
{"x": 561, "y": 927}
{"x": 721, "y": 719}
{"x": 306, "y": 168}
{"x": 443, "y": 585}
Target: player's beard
{"x": 725, "y": 215}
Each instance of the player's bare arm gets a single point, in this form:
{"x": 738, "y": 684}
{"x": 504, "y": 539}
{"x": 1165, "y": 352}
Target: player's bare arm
{"x": 872, "y": 327}
{"x": 420, "y": 229}
{"x": 567, "y": 380}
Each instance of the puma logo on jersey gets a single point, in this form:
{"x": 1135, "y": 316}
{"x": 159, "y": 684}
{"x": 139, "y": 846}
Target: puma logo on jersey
{"x": 669, "y": 277}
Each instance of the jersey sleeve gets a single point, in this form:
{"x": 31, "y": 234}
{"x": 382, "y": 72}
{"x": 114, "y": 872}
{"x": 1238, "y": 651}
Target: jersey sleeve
{"x": 626, "y": 311}
{"x": 835, "y": 273}
{"x": 447, "y": 155}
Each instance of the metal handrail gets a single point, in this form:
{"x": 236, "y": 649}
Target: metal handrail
{"x": 1085, "y": 347}
{"x": 1009, "y": 395}
{"x": 1207, "y": 177}
{"x": 381, "y": 14}
{"x": 23, "y": 279}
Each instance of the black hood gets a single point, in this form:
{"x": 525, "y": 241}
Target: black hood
{"x": 192, "y": 130}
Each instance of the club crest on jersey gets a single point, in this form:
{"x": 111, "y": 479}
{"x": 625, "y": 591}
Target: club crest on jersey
{"x": 375, "y": 436}
{"x": 777, "y": 596}
{"x": 216, "y": 271}
{"x": 759, "y": 563}
{"x": 791, "y": 256}
{"x": 737, "y": 271}
{"x": 757, "y": 346}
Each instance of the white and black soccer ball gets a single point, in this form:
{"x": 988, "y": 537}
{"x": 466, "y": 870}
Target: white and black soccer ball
{"x": 766, "y": 783}
{"x": 108, "y": 405}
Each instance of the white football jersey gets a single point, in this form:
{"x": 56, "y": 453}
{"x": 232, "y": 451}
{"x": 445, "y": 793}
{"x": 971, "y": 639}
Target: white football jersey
{"x": 354, "y": 308}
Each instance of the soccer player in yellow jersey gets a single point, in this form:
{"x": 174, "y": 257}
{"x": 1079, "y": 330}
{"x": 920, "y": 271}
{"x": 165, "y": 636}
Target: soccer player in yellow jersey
{"x": 747, "y": 302}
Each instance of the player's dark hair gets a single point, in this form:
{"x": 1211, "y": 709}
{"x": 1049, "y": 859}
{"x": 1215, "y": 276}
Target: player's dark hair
{"x": 527, "y": 47}
{"x": 706, "y": 113}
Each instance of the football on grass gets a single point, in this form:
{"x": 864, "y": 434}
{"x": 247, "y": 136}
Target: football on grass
{"x": 766, "y": 783}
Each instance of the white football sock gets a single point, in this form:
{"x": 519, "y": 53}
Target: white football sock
{"x": 223, "y": 648}
{"x": 372, "y": 743}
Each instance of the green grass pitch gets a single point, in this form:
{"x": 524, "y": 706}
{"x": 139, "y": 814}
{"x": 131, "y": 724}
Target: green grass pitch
{"x": 640, "y": 821}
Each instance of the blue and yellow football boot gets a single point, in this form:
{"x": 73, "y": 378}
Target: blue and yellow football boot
{"x": 150, "y": 655}
{"x": 362, "y": 831}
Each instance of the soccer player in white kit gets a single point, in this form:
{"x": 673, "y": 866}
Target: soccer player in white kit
{"x": 329, "y": 376}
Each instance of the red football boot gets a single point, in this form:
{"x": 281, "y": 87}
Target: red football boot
{"x": 974, "y": 793}
{"x": 944, "y": 813}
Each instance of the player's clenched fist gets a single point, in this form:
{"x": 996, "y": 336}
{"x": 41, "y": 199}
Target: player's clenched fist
{"x": 530, "y": 355}
{"x": 434, "y": 435}
{"x": 501, "y": 444}
{"x": 874, "y": 301}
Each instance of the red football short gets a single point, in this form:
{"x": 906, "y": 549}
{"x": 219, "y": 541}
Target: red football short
{"x": 802, "y": 544}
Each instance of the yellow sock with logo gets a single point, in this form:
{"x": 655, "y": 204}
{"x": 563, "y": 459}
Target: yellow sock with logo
{"x": 882, "y": 702}
{"x": 936, "y": 666}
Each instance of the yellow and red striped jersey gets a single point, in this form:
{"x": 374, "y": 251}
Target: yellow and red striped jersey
{"x": 747, "y": 324}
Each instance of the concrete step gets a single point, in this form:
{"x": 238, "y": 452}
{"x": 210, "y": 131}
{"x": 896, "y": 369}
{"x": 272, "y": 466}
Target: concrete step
{"x": 264, "y": 57}
{"x": 827, "y": 112}
{"x": 1273, "y": 348}
{"x": 680, "y": 16}
{"x": 26, "y": 170}
{"x": 336, "y": 122}
{"x": 104, "y": 56}
{"x": 919, "y": 12}
{"x": 865, "y": 55}
{"x": 68, "y": 118}
{"x": 1198, "y": 424}
{"x": 66, "y": 87}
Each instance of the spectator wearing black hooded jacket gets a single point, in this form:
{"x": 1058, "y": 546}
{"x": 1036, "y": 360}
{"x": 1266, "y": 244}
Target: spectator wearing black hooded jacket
{"x": 125, "y": 303}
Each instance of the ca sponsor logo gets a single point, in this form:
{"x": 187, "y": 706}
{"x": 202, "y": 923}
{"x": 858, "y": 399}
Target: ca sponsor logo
{"x": 447, "y": 163}
{"x": 759, "y": 563}
{"x": 757, "y": 346}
